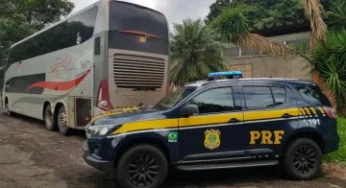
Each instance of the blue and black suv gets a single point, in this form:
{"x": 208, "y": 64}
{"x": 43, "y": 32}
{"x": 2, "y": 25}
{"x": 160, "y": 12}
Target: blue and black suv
{"x": 229, "y": 123}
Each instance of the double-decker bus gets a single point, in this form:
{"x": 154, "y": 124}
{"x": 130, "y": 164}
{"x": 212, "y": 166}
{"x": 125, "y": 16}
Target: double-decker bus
{"x": 109, "y": 55}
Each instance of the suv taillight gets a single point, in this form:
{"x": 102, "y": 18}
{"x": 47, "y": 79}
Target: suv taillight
{"x": 330, "y": 112}
{"x": 103, "y": 101}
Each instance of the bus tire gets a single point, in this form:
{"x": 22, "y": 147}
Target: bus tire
{"x": 7, "y": 108}
{"x": 48, "y": 119}
{"x": 62, "y": 121}
{"x": 142, "y": 166}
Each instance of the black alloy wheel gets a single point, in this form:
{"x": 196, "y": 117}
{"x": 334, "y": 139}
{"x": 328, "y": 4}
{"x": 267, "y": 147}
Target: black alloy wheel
{"x": 142, "y": 166}
{"x": 143, "y": 170}
{"x": 302, "y": 159}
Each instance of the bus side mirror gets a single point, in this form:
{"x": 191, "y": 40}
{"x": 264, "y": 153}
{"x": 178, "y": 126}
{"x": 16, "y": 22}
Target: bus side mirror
{"x": 189, "y": 110}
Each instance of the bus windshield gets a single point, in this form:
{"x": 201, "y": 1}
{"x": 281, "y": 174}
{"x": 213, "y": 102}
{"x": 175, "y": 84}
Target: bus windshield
{"x": 174, "y": 98}
{"x": 137, "y": 28}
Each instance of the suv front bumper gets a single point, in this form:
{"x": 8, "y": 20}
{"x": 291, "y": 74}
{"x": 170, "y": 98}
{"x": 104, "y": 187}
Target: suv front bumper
{"x": 105, "y": 166}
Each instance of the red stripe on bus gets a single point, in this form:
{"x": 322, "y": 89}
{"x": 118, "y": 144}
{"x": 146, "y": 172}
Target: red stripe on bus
{"x": 60, "y": 86}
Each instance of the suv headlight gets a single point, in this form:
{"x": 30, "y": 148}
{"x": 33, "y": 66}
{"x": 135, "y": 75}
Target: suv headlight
{"x": 100, "y": 130}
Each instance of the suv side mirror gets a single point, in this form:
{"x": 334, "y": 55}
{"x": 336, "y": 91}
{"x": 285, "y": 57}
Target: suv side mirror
{"x": 189, "y": 110}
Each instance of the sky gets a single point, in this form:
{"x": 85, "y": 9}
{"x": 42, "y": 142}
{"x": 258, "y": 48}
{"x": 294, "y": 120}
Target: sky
{"x": 175, "y": 10}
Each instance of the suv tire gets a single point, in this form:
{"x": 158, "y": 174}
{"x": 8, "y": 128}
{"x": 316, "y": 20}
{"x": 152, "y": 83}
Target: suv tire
{"x": 142, "y": 166}
{"x": 302, "y": 159}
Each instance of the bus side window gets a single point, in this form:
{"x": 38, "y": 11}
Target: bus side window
{"x": 97, "y": 48}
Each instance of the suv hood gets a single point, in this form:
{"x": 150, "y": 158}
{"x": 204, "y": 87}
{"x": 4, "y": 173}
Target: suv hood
{"x": 121, "y": 117}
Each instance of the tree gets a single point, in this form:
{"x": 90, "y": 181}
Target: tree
{"x": 21, "y": 18}
{"x": 328, "y": 58}
{"x": 233, "y": 27}
{"x": 337, "y": 15}
{"x": 194, "y": 52}
{"x": 262, "y": 5}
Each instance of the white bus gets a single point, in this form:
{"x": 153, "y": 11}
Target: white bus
{"x": 110, "y": 55}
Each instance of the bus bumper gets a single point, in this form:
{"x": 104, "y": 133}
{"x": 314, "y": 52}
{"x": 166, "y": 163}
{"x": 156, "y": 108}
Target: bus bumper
{"x": 105, "y": 166}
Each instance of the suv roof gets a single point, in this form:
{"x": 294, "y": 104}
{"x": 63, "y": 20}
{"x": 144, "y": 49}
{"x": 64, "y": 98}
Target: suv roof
{"x": 270, "y": 80}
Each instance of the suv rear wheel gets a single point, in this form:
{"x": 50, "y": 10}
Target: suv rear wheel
{"x": 142, "y": 166}
{"x": 302, "y": 159}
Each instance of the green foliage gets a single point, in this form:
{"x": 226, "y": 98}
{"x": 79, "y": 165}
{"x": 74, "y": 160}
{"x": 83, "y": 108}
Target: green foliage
{"x": 266, "y": 13}
{"x": 231, "y": 23}
{"x": 329, "y": 61}
{"x": 21, "y": 18}
{"x": 194, "y": 52}
{"x": 337, "y": 15}
{"x": 340, "y": 155}
{"x": 286, "y": 12}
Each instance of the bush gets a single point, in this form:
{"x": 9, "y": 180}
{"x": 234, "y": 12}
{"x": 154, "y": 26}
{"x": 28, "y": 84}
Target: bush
{"x": 340, "y": 155}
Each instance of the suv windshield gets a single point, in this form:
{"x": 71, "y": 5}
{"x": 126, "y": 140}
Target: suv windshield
{"x": 174, "y": 98}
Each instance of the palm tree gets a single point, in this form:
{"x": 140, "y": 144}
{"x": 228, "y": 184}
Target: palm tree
{"x": 318, "y": 26}
{"x": 195, "y": 52}
{"x": 232, "y": 24}
{"x": 327, "y": 56}
{"x": 233, "y": 27}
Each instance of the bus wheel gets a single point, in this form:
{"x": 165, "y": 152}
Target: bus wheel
{"x": 62, "y": 121}
{"x": 142, "y": 166}
{"x": 48, "y": 119}
{"x": 7, "y": 108}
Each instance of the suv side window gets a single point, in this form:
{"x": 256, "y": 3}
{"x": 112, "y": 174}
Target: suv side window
{"x": 259, "y": 97}
{"x": 215, "y": 101}
{"x": 313, "y": 95}
{"x": 279, "y": 94}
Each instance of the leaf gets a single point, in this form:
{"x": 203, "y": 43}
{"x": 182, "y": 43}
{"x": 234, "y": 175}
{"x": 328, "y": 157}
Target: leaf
{"x": 195, "y": 51}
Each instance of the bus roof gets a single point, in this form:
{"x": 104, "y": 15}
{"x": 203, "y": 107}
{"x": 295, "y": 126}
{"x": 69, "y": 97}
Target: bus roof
{"x": 71, "y": 16}
{"x": 55, "y": 24}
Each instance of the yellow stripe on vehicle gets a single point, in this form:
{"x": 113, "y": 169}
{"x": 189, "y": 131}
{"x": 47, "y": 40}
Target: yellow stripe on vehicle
{"x": 110, "y": 113}
{"x": 269, "y": 114}
{"x": 147, "y": 125}
{"x": 313, "y": 110}
{"x": 321, "y": 109}
{"x": 204, "y": 120}
{"x": 105, "y": 115}
{"x": 302, "y": 111}
{"x": 307, "y": 111}
{"x": 209, "y": 119}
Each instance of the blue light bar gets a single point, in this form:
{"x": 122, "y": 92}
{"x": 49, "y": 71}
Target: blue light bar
{"x": 220, "y": 74}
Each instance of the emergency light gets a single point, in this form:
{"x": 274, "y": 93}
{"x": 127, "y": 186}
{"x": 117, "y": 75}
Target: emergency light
{"x": 229, "y": 74}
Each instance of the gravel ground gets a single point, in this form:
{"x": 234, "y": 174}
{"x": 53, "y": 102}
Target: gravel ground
{"x": 32, "y": 157}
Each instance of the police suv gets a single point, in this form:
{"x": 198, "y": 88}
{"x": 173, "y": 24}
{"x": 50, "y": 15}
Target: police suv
{"x": 217, "y": 124}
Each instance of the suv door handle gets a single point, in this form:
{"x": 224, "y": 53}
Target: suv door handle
{"x": 287, "y": 115}
{"x": 234, "y": 120}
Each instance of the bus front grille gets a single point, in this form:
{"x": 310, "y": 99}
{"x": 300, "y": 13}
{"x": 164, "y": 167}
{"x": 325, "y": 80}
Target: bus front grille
{"x": 137, "y": 72}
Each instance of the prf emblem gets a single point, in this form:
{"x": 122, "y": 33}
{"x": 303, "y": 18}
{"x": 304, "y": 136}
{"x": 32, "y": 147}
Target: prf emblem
{"x": 266, "y": 137}
{"x": 212, "y": 139}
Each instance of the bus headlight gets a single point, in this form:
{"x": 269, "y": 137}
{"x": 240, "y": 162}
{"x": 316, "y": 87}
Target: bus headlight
{"x": 101, "y": 130}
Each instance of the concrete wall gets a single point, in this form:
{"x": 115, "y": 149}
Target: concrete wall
{"x": 266, "y": 66}
{"x": 255, "y": 64}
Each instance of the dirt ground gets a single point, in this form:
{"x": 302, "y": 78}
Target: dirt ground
{"x": 31, "y": 157}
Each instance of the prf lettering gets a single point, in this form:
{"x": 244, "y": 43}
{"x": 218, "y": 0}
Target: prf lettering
{"x": 266, "y": 137}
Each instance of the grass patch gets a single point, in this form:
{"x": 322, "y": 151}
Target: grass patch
{"x": 340, "y": 155}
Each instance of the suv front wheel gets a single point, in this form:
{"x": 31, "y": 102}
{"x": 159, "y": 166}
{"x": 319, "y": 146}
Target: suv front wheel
{"x": 142, "y": 166}
{"x": 302, "y": 159}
